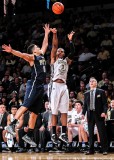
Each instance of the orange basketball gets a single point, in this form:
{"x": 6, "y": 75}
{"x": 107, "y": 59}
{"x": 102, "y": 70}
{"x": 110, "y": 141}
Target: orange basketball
{"x": 58, "y": 8}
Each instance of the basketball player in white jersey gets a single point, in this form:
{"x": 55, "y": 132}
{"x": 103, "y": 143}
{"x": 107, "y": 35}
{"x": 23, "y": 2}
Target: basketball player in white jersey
{"x": 59, "y": 98}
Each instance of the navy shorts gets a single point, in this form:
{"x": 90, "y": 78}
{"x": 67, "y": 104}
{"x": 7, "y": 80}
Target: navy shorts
{"x": 33, "y": 99}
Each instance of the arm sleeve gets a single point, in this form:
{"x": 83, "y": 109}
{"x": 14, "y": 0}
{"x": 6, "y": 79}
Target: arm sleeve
{"x": 72, "y": 51}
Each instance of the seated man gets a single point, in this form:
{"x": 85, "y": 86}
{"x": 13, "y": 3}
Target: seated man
{"x": 73, "y": 126}
{"x": 9, "y": 138}
{"x": 44, "y": 131}
{"x": 3, "y": 122}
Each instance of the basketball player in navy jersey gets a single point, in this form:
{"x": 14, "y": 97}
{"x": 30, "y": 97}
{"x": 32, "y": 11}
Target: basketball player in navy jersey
{"x": 33, "y": 100}
{"x": 59, "y": 97}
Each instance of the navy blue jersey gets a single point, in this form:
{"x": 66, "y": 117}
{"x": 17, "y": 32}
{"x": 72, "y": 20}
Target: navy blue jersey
{"x": 38, "y": 74}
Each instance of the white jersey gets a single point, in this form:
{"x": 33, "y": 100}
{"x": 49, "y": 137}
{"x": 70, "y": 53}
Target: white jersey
{"x": 76, "y": 117}
{"x": 60, "y": 69}
{"x": 12, "y": 119}
{"x": 69, "y": 116}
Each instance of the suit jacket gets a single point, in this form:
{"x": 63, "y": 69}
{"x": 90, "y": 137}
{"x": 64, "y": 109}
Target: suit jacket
{"x": 4, "y": 120}
{"x": 45, "y": 116}
{"x": 101, "y": 105}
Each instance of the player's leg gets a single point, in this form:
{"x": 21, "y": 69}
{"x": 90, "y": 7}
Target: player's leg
{"x": 10, "y": 128}
{"x": 63, "y": 107}
{"x": 29, "y": 136}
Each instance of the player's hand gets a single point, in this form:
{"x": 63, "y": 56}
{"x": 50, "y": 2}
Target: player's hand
{"x": 46, "y": 28}
{"x": 103, "y": 115}
{"x": 82, "y": 116}
{"x": 7, "y": 48}
{"x": 70, "y": 35}
{"x": 42, "y": 128}
{"x": 53, "y": 30}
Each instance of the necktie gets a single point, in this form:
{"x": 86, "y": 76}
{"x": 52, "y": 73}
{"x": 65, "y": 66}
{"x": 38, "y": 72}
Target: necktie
{"x": 92, "y": 100}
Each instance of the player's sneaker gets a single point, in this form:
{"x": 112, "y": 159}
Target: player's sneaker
{"x": 27, "y": 139}
{"x": 63, "y": 137}
{"x": 54, "y": 138}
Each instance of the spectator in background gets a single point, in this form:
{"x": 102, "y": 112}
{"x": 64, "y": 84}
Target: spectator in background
{"x": 8, "y": 72}
{"x": 106, "y": 42}
{"x": 2, "y": 92}
{"x": 102, "y": 81}
{"x": 26, "y": 70}
{"x": 112, "y": 109}
{"x": 106, "y": 83}
{"x": 2, "y": 67}
{"x": 15, "y": 85}
{"x": 3, "y": 122}
{"x": 82, "y": 90}
{"x": 6, "y": 83}
{"x": 86, "y": 56}
{"x": 22, "y": 88}
{"x": 103, "y": 54}
{"x": 72, "y": 96}
{"x": 46, "y": 85}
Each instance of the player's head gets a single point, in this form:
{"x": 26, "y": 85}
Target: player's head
{"x": 13, "y": 109}
{"x": 78, "y": 105}
{"x": 34, "y": 49}
{"x": 60, "y": 53}
{"x": 93, "y": 82}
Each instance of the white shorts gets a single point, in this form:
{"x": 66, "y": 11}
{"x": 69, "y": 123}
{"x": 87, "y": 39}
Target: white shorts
{"x": 86, "y": 128}
{"x": 59, "y": 98}
{"x": 74, "y": 131}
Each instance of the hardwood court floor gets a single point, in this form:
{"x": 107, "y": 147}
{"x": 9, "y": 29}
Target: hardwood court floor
{"x": 54, "y": 156}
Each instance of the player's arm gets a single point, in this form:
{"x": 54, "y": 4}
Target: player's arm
{"x": 25, "y": 56}
{"x": 54, "y": 45}
{"x": 20, "y": 122}
{"x": 45, "y": 41}
{"x": 72, "y": 48}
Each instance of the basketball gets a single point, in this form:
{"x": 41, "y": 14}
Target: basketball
{"x": 57, "y": 8}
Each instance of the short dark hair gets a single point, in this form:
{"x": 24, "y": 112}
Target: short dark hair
{"x": 14, "y": 106}
{"x": 78, "y": 101}
{"x": 30, "y": 48}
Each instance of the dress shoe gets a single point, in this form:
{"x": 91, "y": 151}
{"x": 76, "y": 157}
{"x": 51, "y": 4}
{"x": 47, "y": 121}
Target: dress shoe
{"x": 89, "y": 152}
{"x": 105, "y": 153}
{"x": 21, "y": 150}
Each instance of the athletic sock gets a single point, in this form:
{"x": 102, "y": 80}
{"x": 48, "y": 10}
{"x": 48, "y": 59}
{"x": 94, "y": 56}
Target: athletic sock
{"x": 64, "y": 128}
{"x": 14, "y": 122}
{"x": 80, "y": 144}
{"x": 53, "y": 129}
{"x": 30, "y": 132}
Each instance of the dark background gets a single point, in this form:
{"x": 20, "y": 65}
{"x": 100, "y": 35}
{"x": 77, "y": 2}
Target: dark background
{"x": 28, "y": 6}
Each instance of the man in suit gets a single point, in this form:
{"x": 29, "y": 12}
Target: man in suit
{"x": 95, "y": 104}
{"x": 3, "y": 122}
{"x": 45, "y": 135}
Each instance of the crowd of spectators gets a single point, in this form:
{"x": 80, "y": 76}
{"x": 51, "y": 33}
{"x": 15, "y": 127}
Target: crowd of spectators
{"x": 94, "y": 44}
